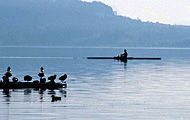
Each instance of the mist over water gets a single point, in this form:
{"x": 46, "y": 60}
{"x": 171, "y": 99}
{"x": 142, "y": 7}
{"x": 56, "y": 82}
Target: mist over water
{"x": 99, "y": 89}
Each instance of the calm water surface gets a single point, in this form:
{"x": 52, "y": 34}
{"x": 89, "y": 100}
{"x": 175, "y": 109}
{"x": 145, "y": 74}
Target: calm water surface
{"x": 99, "y": 89}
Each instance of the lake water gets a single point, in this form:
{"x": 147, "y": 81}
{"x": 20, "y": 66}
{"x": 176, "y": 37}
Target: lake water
{"x": 99, "y": 89}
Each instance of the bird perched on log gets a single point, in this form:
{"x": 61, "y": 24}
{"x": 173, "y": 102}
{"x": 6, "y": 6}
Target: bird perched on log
{"x": 9, "y": 69}
{"x": 5, "y": 79}
{"x": 27, "y": 78}
{"x": 63, "y": 77}
{"x": 55, "y": 98}
{"x": 15, "y": 79}
{"x": 52, "y": 78}
{"x": 8, "y": 73}
{"x": 41, "y": 73}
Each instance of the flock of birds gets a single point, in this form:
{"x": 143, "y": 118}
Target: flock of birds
{"x": 29, "y": 78}
{"x": 41, "y": 74}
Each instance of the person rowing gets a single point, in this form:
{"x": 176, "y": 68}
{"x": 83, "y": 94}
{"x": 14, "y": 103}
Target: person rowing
{"x": 125, "y": 54}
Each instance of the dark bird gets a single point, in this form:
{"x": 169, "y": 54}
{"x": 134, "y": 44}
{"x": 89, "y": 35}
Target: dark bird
{"x": 15, "y": 79}
{"x": 9, "y": 69}
{"x": 8, "y": 74}
{"x": 63, "y": 77}
{"x": 52, "y": 78}
{"x": 27, "y": 78}
{"x": 55, "y": 98}
{"x": 5, "y": 79}
{"x": 36, "y": 82}
{"x": 41, "y": 73}
{"x": 42, "y": 80}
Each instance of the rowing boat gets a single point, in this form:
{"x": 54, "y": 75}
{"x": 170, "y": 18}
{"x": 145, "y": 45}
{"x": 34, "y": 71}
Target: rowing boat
{"x": 128, "y": 58}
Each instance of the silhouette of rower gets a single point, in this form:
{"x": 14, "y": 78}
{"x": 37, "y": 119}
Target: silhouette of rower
{"x": 125, "y": 54}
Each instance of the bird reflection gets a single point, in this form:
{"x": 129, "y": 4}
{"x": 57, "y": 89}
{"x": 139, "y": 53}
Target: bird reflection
{"x": 6, "y": 92}
{"x": 41, "y": 91}
{"x": 27, "y": 91}
{"x": 51, "y": 92}
{"x": 63, "y": 91}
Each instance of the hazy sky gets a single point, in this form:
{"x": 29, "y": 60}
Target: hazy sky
{"x": 163, "y": 11}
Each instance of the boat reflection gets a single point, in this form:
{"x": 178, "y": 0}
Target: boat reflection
{"x": 123, "y": 61}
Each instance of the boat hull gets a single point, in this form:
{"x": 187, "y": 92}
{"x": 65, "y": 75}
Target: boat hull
{"x": 128, "y": 58}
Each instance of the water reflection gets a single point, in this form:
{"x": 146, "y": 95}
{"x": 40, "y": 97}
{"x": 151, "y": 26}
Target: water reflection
{"x": 124, "y": 62}
{"x": 27, "y": 91}
{"x": 16, "y": 93}
{"x": 102, "y": 89}
{"x": 6, "y": 92}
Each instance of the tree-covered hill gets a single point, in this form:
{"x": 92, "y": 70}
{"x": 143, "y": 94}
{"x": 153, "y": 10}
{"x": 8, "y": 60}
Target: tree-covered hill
{"x": 77, "y": 23}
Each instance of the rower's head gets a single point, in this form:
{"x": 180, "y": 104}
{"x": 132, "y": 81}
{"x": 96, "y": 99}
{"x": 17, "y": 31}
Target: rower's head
{"x": 125, "y": 50}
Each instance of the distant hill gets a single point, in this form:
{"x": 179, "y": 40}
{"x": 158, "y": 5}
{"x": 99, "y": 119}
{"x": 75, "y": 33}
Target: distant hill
{"x": 77, "y": 23}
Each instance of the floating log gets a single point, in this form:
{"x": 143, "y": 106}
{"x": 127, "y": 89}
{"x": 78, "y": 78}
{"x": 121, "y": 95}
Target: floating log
{"x": 19, "y": 85}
